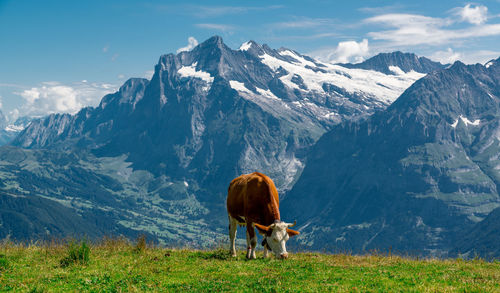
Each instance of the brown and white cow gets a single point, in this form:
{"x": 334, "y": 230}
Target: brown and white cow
{"x": 252, "y": 200}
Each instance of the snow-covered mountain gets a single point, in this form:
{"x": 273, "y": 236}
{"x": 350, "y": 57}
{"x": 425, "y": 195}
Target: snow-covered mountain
{"x": 397, "y": 63}
{"x": 8, "y": 131}
{"x": 421, "y": 177}
{"x": 159, "y": 154}
{"x": 325, "y": 91}
{"x": 307, "y": 97}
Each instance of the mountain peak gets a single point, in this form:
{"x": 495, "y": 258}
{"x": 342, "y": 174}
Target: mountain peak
{"x": 458, "y": 63}
{"x": 215, "y": 41}
{"x": 248, "y": 45}
{"x": 492, "y": 62}
{"x": 459, "y": 90}
{"x": 386, "y": 63}
{"x": 132, "y": 82}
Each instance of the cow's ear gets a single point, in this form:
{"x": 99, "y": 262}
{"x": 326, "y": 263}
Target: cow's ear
{"x": 263, "y": 230}
{"x": 292, "y": 232}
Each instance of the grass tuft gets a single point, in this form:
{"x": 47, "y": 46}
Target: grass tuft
{"x": 219, "y": 253}
{"x": 77, "y": 254}
{"x": 4, "y": 263}
{"x": 141, "y": 244}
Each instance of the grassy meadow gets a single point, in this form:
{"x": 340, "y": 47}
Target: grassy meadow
{"x": 116, "y": 265}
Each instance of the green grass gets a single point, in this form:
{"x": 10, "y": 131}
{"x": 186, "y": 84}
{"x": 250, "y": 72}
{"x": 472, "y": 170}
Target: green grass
{"x": 117, "y": 265}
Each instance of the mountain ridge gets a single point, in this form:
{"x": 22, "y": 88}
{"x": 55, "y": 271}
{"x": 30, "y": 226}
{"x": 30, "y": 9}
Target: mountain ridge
{"x": 157, "y": 155}
{"x": 411, "y": 178}
{"x": 394, "y": 62}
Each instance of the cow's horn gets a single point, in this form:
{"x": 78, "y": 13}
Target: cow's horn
{"x": 291, "y": 225}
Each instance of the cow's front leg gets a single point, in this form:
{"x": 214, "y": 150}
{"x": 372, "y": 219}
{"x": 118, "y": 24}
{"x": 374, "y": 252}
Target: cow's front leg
{"x": 233, "y": 225}
{"x": 251, "y": 241}
{"x": 266, "y": 252}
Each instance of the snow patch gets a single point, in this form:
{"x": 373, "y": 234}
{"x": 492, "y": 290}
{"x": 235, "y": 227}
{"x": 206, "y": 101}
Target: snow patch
{"x": 186, "y": 184}
{"x": 330, "y": 115}
{"x": 190, "y": 71}
{"x": 487, "y": 65}
{"x": 267, "y": 94}
{"x": 14, "y": 128}
{"x": 466, "y": 121}
{"x": 301, "y": 60}
{"x": 396, "y": 70}
{"x": 245, "y": 46}
{"x": 369, "y": 83}
{"x": 239, "y": 86}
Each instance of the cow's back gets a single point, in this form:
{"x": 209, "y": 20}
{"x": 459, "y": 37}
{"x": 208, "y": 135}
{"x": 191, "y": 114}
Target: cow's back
{"x": 253, "y": 196}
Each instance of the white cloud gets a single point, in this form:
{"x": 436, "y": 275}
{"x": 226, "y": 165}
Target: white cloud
{"x": 49, "y": 99}
{"x": 1, "y": 102}
{"x": 481, "y": 56}
{"x": 121, "y": 76}
{"x": 475, "y": 15}
{"x": 214, "y": 11}
{"x": 192, "y": 42}
{"x": 54, "y": 97}
{"x": 13, "y": 115}
{"x": 149, "y": 74}
{"x": 105, "y": 49}
{"x": 410, "y": 29}
{"x": 216, "y": 26}
{"x": 413, "y": 30}
{"x": 305, "y": 23}
{"x": 382, "y": 9}
{"x": 467, "y": 57}
{"x": 345, "y": 52}
{"x": 446, "y": 57}
{"x": 114, "y": 57}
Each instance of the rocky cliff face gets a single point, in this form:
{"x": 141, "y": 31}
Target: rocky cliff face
{"x": 412, "y": 178}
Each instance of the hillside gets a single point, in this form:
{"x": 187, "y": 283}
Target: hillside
{"x": 120, "y": 266}
{"x": 414, "y": 178}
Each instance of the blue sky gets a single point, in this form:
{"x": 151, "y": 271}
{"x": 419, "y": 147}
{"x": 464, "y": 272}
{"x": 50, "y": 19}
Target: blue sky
{"x": 57, "y": 56}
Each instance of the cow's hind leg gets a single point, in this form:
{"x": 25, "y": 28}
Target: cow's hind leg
{"x": 251, "y": 241}
{"x": 249, "y": 247}
{"x": 233, "y": 225}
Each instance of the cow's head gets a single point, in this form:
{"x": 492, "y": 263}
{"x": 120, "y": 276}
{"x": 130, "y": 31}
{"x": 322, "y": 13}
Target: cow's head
{"x": 275, "y": 237}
